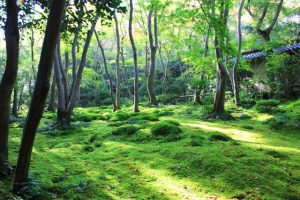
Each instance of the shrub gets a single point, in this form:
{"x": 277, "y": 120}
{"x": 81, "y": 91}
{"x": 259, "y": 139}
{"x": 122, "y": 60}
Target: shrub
{"x": 267, "y": 106}
{"x": 284, "y": 121}
{"x": 219, "y": 137}
{"x": 164, "y": 129}
{"x": 248, "y": 103}
{"x": 125, "y": 130}
{"x": 197, "y": 140}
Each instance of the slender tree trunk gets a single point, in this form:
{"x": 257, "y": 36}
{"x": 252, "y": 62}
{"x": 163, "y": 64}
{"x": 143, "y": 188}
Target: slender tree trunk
{"x": 8, "y": 81}
{"x": 235, "y": 84}
{"x": 106, "y": 72}
{"x": 136, "y": 70}
{"x": 51, "y": 106}
{"x": 14, "y": 110}
{"x": 20, "y": 101}
{"x": 40, "y": 93}
{"x": 76, "y": 86}
{"x": 125, "y": 73}
{"x": 118, "y": 71}
{"x": 62, "y": 117}
{"x": 153, "y": 48}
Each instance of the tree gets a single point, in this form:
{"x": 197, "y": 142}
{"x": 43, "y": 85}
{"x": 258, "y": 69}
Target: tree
{"x": 8, "y": 81}
{"x": 110, "y": 83}
{"x": 118, "y": 70}
{"x": 153, "y": 42}
{"x": 40, "y": 93}
{"x": 266, "y": 32}
{"x": 235, "y": 84}
{"x": 135, "y": 62}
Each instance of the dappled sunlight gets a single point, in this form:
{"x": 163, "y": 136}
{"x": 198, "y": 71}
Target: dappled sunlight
{"x": 277, "y": 148}
{"x": 172, "y": 186}
{"x": 236, "y": 134}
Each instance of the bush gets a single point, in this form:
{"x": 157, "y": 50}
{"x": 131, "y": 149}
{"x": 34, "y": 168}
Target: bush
{"x": 125, "y": 130}
{"x": 267, "y": 106}
{"x": 284, "y": 121}
{"x": 163, "y": 113}
{"x": 219, "y": 137}
{"x": 248, "y": 103}
{"x": 164, "y": 129}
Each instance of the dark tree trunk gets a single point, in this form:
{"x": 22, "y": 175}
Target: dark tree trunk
{"x": 136, "y": 70}
{"x": 8, "y": 81}
{"x": 153, "y": 48}
{"x": 197, "y": 97}
{"x": 221, "y": 82}
{"x": 40, "y": 93}
{"x": 14, "y": 110}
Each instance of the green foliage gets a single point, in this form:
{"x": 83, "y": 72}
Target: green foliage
{"x": 284, "y": 121}
{"x": 267, "y": 106}
{"x": 29, "y": 189}
{"x": 127, "y": 129}
{"x": 219, "y": 137}
{"x": 87, "y": 117}
{"x": 167, "y": 98}
{"x": 248, "y": 103}
{"x": 164, "y": 128}
{"x": 282, "y": 73}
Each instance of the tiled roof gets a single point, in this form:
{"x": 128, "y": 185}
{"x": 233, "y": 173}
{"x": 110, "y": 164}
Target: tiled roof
{"x": 276, "y": 51}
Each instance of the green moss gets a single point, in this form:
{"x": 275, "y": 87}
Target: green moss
{"x": 219, "y": 137}
{"x": 164, "y": 129}
{"x": 173, "y": 166}
{"x": 125, "y": 130}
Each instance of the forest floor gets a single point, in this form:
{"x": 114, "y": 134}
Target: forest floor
{"x": 255, "y": 161}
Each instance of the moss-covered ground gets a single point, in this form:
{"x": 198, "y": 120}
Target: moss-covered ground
{"x": 89, "y": 162}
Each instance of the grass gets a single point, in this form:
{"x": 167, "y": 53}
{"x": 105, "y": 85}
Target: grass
{"x": 89, "y": 162}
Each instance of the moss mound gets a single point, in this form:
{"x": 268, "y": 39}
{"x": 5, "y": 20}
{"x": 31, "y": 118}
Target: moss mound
{"x": 164, "y": 128}
{"x": 127, "y": 129}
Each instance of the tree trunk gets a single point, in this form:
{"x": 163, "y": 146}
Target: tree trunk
{"x": 136, "y": 70}
{"x": 197, "y": 98}
{"x": 8, "y": 81}
{"x": 14, "y": 110}
{"x": 221, "y": 82}
{"x": 40, "y": 93}
{"x": 235, "y": 84}
{"x": 106, "y": 72}
{"x": 125, "y": 73}
{"x": 51, "y": 106}
{"x": 20, "y": 101}
{"x": 153, "y": 48}
{"x": 76, "y": 86}
{"x": 118, "y": 71}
